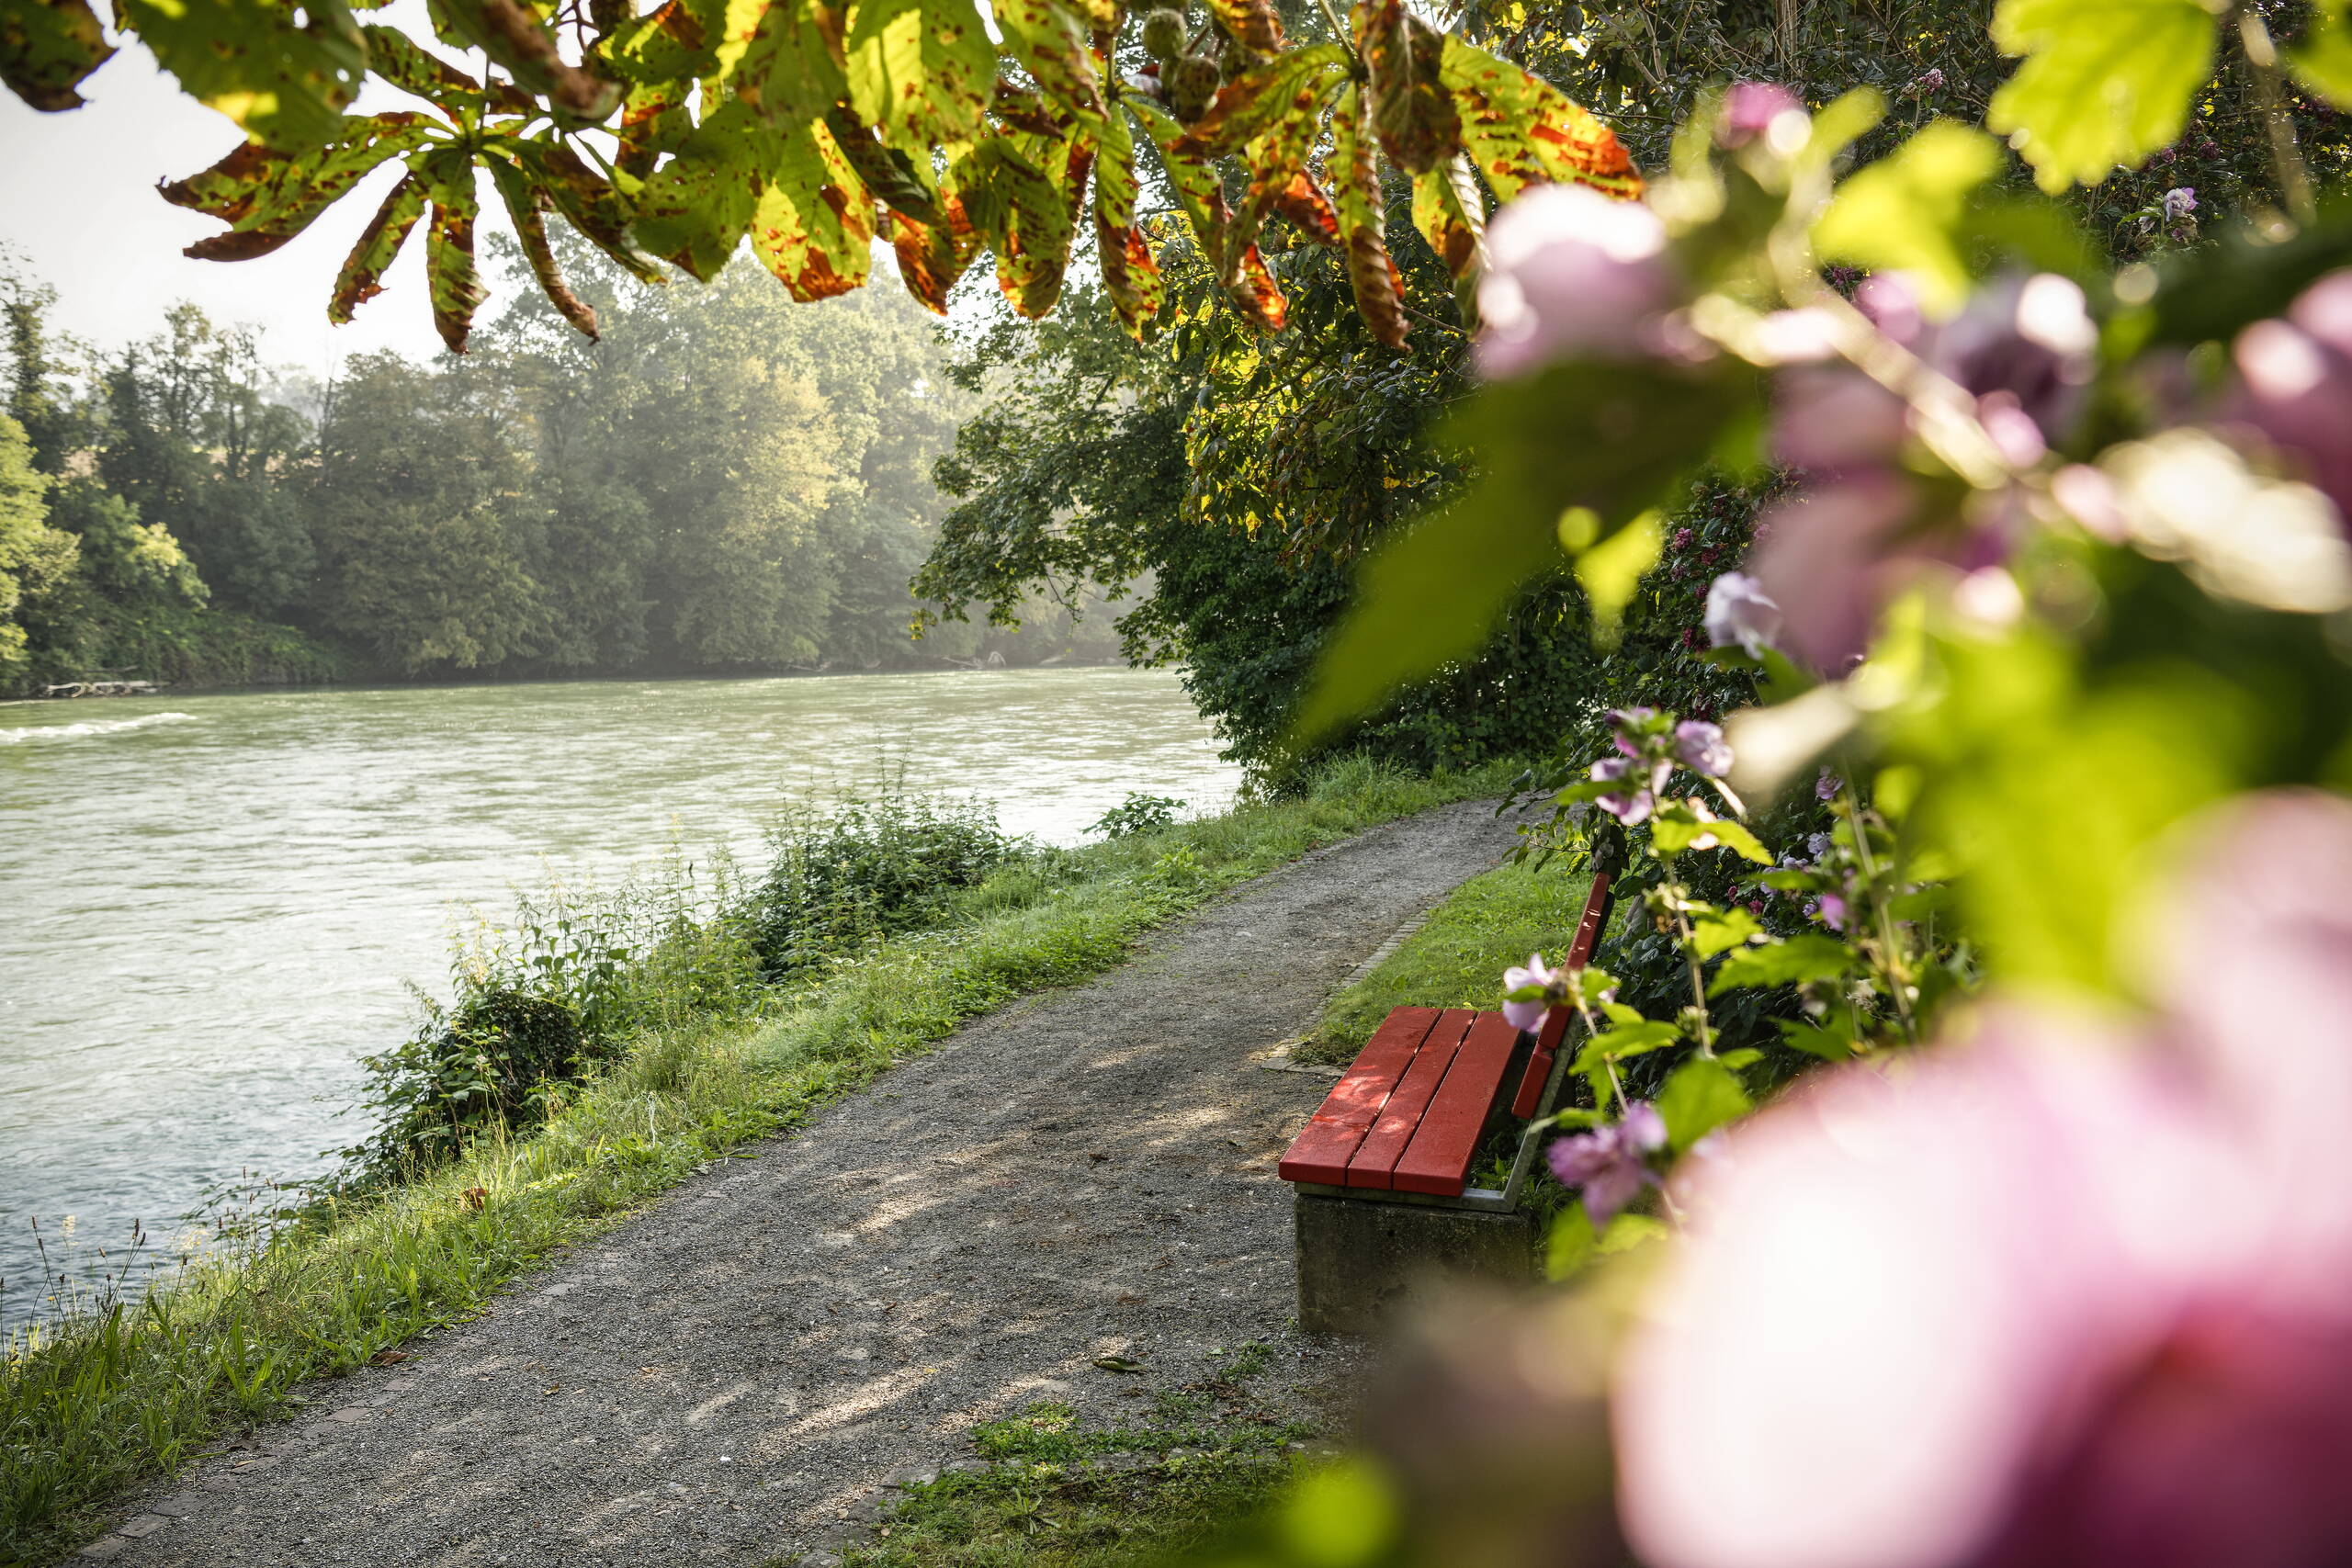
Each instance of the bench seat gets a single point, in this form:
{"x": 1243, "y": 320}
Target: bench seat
{"x": 1408, "y": 1116}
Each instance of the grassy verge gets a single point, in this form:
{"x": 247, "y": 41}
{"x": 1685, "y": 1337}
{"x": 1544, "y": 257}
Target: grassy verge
{"x": 137, "y": 1390}
{"x": 1046, "y": 1494}
{"x": 1457, "y": 958}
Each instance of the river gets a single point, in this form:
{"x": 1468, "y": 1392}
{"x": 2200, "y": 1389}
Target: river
{"x": 210, "y": 905}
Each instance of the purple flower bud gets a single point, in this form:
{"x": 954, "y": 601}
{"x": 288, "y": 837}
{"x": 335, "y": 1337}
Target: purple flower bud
{"x": 1700, "y": 747}
{"x": 1831, "y": 911}
{"x": 2179, "y": 202}
{"x": 1826, "y": 786}
{"x": 1683, "y": 537}
{"x": 1750, "y": 108}
{"x": 1931, "y": 80}
{"x": 1631, "y": 805}
{"x": 1572, "y": 273}
{"x": 1741, "y": 613}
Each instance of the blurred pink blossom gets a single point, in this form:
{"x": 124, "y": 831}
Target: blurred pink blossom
{"x": 2295, "y": 380}
{"x": 1528, "y": 1014}
{"x": 1741, "y": 613}
{"x": 1750, "y": 107}
{"x": 2076, "y": 1292}
{"x": 1572, "y": 274}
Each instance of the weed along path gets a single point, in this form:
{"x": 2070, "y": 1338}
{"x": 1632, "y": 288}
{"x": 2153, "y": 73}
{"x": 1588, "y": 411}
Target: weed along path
{"x": 731, "y": 1376}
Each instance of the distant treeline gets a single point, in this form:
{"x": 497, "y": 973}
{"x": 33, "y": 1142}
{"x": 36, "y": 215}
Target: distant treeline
{"x": 727, "y": 481}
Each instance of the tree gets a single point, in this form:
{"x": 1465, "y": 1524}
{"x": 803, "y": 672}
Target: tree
{"x": 36, "y": 559}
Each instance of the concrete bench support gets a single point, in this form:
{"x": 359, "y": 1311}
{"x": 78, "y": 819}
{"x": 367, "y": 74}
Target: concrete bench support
{"x": 1357, "y": 1257}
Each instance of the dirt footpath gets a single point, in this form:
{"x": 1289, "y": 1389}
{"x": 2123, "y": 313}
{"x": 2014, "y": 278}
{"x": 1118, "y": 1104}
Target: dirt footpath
{"x": 729, "y": 1376}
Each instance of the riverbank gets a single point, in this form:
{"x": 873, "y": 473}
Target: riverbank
{"x": 230, "y": 1346}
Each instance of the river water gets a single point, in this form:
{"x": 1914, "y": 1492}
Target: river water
{"x": 211, "y": 905}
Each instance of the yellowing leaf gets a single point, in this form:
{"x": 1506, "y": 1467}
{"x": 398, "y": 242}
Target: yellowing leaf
{"x": 361, "y": 278}
{"x": 2105, "y": 82}
{"x": 284, "y": 84}
{"x": 1521, "y": 131}
{"x": 267, "y": 195}
{"x": 1372, "y": 272}
{"x": 814, "y": 225}
{"x": 919, "y": 71}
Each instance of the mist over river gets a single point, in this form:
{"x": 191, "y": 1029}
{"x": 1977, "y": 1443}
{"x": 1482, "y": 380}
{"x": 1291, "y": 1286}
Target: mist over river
{"x": 209, "y": 903}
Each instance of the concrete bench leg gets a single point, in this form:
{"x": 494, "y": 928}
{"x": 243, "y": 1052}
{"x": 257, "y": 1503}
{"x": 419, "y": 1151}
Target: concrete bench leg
{"x": 1358, "y": 1259}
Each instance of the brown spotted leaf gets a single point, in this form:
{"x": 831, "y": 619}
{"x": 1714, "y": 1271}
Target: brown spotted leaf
{"x": 588, "y": 202}
{"x": 1130, "y": 274}
{"x": 694, "y": 211}
{"x": 1257, "y": 101}
{"x": 267, "y": 195}
{"x": 1255, "y": 293}
{"x": 449, "y": 270}
{"x": 406, "y": 64}
{"x": 795, "y": 66}
{"x": 282, "y": 83}
{"x": 524, "y": 206}
{"x": 814, "y": 226}
{"x": 516, "y": 37}
{"x": 362, "y": 278}
{"x": 1308, "y": 206}
{"x": 1520, "y": 130}
{"x": 919, "y": 71}
{"x": 48, "y": 47}
{"x": 1372, "y": 272}
{"x": 932, "y": 256}
{"x": 1249, "y": 23}
{"x": 1198, "y": 190}
{"x": 655, "y": 122}
{"x": 1014, "y": 188}
{"x": 894, "y": 179}
{"x": 1455, "y": 228}
{"x": 1411, "y": 112}
{"x": 1049, "y": 41}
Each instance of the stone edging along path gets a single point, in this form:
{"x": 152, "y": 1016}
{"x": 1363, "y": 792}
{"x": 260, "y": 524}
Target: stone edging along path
{"x": 730, "y": 1375}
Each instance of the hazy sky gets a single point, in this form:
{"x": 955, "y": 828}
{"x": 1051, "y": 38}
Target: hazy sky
{"x": 77, "y": 200}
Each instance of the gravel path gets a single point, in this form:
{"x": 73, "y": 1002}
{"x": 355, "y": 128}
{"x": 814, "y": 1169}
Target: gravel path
{"x": 729, "y": 1376}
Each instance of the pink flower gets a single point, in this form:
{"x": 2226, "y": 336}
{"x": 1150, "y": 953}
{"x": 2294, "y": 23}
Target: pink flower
{"x": 1611, "y": 1164}
{"x": 1633, "y": 805}
{"x": 1553, "y": 983}
{"x": 1699, "y": 746}
{"x": 2295, "y": 381}
{"x": 2075, "y": 1291}
{"x": 1573, "y": 274}
{"x": 1750, "y": 107}
{"x": 1739, "y": 611}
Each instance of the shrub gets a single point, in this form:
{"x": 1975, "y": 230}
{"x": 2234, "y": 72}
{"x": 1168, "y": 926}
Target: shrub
{"x": 1139, "y": 813}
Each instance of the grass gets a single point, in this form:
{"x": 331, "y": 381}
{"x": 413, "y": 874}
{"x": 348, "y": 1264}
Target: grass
{"x": 129, "y": 1391}
{"x": 1056, "y": 1496}
{"x": 1457, "y": 958}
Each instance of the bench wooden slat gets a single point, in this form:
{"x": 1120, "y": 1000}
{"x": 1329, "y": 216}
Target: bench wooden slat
{"x": 1376, "y": 1157}
{"x": 1322, "y": 1149}
{"x": 1555, "y": 1022}
{"x": 1437, "y": 1161}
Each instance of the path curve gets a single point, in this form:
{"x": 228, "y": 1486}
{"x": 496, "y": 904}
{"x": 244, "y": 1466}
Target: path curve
{"x": 728, "y": 1375}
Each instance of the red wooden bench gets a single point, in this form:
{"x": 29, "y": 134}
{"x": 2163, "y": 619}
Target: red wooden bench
{"x": 1402, "y": 1127}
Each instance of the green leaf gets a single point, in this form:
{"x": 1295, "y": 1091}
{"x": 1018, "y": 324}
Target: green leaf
{"x": 1701, "y": 1096}
{"x": 1452, "y": 229}
{"x": 2104, "y": 83}
{"x": 1198, "y": 190}
{"x": 1746, "y": 1055}
{"x": 1810, "y": 956}
{"x": 1625, "y": 1042}
{"x": 1617, "y": 439}
{"x": 920, "y": 71}
{"x": 1905, "y": 211}
{"x": 1678, "y": 827}
{"x": 2323, "y": 63}
{"x": 1610, "y": 571}
{"x": 1831, "y": 1043}
{"x": 1521, "y": 131}
{"x": 362, "y": 276}
{"x": 932, "y": 256}
{"x": 267, "y": 195}
{"x": 587, "y": 200}
{"x": 1732, "y": 928}
{"x": 286, "y": 84}
{"x": 814, "y": 225}
{"x": 1571, "y": 1244}
{"x": 48, "y": 47}
{"x": 523, "y": 209}
{"x": 792, "y": 68}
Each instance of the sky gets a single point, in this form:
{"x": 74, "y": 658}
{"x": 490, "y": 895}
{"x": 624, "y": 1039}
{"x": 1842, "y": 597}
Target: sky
{"x": 78, "y": 203}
